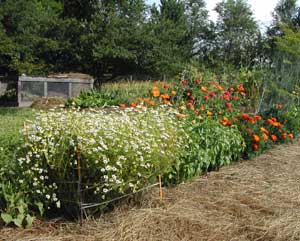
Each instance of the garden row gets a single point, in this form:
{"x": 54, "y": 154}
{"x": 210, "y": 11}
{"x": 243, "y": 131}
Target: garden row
{"x": 72, "y": 157}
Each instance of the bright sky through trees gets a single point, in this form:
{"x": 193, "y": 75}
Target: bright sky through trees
{"x": 262, "y": 9}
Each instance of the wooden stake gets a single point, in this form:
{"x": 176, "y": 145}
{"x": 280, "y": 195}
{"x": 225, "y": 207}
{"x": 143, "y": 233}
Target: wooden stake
{"x": 160, "y": 187}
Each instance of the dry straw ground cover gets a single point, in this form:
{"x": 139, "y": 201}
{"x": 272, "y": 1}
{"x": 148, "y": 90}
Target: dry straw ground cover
{"x": 250, "y": 200}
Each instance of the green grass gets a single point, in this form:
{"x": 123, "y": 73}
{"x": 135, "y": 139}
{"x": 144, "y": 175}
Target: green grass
{"x": 11, "y": 122}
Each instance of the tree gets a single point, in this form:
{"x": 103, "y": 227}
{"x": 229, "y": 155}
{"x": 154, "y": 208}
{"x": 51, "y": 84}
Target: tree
{"x": 237, "y": 33}
{"x": 287, "y": 14}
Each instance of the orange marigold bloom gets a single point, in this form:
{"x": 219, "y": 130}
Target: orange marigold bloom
{"x": 241, "y": 88}
{"x": 265, "y": 131}
{"x": 291, "y": 136}
{"x": 255, "y": 147}
{"x": 270, "y": 121}
{"x": 274, "y": 138}
{"x": 209, "y": 113}
{"x": 283, "y": 135}
{"x": 139, "y": 99}
{"x": 173, "y": 92}
{"x": 219, "y": 87}
{"x": 122, "y": 105}
{"x": 165, "y": 96}
{"x": 257, "y": 117}
{"x": 133, "y": 104}
{"x": 246, "y": 117}
{"x": 204, "y": 89}
{"x": 155, "y": 92}
{"x": 255, "y": 138}
{"x": 280, "y": 106}
{"x": 265, "y": 137}
{"x": 181, "y": 115}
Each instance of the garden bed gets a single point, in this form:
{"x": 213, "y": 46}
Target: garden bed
{"x": 250, "y": 200}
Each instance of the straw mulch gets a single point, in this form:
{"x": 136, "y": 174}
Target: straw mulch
{"x": 250, "y": 200}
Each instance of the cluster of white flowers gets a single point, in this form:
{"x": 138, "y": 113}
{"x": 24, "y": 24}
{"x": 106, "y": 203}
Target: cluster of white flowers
{"x": 117, "y": 152}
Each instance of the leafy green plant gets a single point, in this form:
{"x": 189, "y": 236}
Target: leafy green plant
{"x": 211, "y": 145}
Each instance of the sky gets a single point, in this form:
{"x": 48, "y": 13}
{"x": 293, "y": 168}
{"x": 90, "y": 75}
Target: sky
{"x": 262, "y": 9}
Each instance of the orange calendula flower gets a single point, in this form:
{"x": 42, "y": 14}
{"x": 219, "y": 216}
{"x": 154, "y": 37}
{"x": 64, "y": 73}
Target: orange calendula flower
{"x": 165, "y": 96}
{"x": 133, "y": 104}
{"x": 209, "y": 113}
{"x": 255, "y": 138}
{"x": 265, "y": 137}
{"x": 283, "y": 135}
{"x": 178, "y": 115}
{"x": 291, "y": 136}
{"x": 274, "y": 138}
{"x": 219, "y": 87}
{"x": 155, "y": 92}
{"x": 246, "y": 117}
{"x": 139, "y": 99}
{"x": 173, "y": 92}
{"x": 257, "y": 117}
{"x": 152, "y": 102}
{"x": 241, "y": 88}
{"x": 204, "y": 89}
{"x": 280, "y": 106}
{"x": 265, "y": 131}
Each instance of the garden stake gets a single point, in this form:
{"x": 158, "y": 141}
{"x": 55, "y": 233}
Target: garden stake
{"x": 79, "y": 186}
{"x": 160, "y": 188}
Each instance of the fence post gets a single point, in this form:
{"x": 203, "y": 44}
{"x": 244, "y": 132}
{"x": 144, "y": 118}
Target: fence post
{"x": 70, "y": 89}
{"x": 45, "y": 88}
{"x": 79, "y": 191}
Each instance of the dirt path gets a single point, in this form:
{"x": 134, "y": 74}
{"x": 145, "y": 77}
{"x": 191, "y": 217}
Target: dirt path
{"x": 250, "y": 200}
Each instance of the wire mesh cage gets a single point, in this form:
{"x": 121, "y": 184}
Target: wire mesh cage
{"x": 30, "y": 88}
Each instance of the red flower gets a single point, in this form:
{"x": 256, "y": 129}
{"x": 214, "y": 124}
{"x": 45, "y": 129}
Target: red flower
{"x": 235, "y": 97}
{"x": 166, "y": 87}
{"x": 206, "y": 98}
{"x": 230, "y": 110}
{"x": 255, "y": 147}
{"x": 228, "y": 104}
{"x": 184, "y": 82}
{"x": 212, "y": 94}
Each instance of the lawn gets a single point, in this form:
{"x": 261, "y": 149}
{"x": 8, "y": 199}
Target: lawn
{"x": 11, "y": 121}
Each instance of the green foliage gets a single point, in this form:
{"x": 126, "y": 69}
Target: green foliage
{"x": 211, "y": 146}
{"x": 11, "y": 121}
{"x": 113, "y": 94}
{"x": 238, "y": 35}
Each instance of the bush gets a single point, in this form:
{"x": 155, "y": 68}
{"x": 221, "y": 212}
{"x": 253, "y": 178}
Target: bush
{"x": 116, "y": 153}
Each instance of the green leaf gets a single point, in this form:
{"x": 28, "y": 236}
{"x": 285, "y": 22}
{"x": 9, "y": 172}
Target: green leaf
{"x": 7, "y": 218}
{"x": 40, "y": 206}
{"x": 29, "y": 220}
{"x": 18, "y": 221}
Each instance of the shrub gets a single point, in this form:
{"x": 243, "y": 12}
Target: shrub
{"x": 117, "y": 153}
